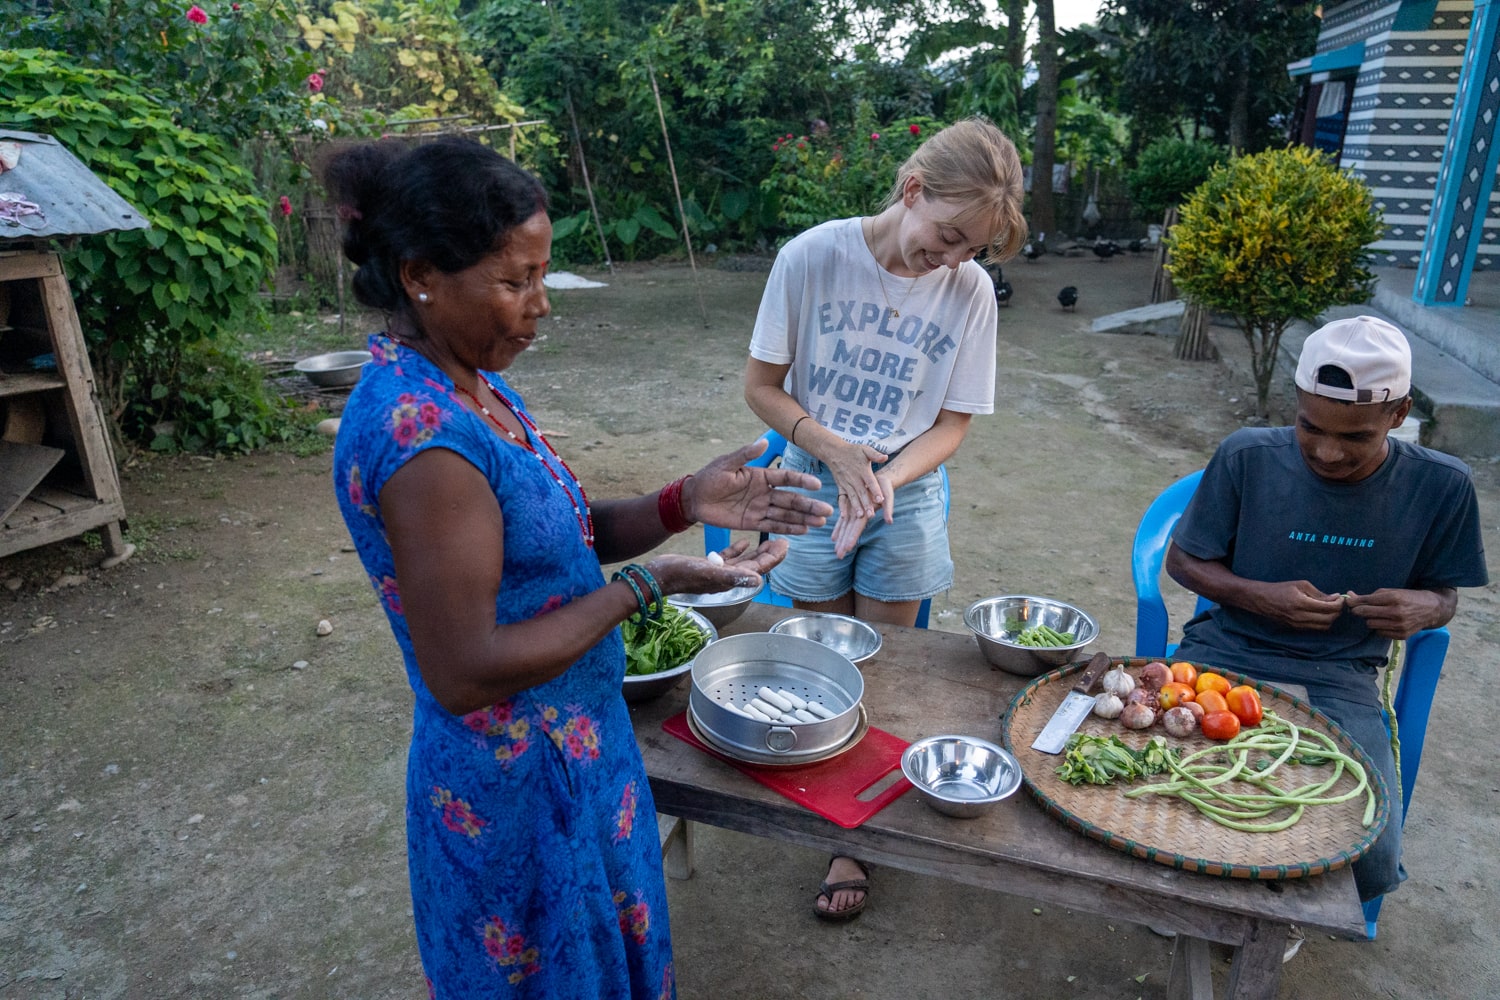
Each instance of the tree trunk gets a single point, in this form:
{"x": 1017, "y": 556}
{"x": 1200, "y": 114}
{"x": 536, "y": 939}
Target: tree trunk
{"x": 1015, "y": 44}
{"x": 1044, "y": 153}
{"x": 1239, "y": 110}
{"x": 1193, "y": 343}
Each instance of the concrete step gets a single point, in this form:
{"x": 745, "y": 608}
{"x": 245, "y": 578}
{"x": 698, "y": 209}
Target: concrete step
{"x": 1459, "y": 407}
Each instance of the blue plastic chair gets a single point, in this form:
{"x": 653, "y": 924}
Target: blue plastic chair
{"x": 1421, "y": 667}
{"x": 715, "y": 539}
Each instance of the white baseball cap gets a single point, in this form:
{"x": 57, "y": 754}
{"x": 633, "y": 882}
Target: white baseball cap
{"x": 1373, "y": 353}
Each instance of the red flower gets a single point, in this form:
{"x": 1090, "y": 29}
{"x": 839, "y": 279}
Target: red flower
{"x": 916, "y": 129}
{"x": 801, "y": 145}
{"x": 286, "y": 205}
{"x": 196, "y": 15}
{"x": 234, "y": 6}
{"x": 874, "y": 136}
{"x": 315, "y": 82}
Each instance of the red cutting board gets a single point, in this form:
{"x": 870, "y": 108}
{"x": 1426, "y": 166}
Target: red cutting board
{"x": 830, "y": 788}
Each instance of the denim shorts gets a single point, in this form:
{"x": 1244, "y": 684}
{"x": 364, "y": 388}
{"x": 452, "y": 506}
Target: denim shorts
{"x": 906, "y": 560}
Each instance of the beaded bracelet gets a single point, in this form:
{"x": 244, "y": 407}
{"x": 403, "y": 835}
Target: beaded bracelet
{"x": 655, "y": 608}
{"x": 669, "y": 507}
{"x": 640, "y": 616}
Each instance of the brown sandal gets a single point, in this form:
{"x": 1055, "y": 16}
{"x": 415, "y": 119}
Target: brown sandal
{"x": 826, "y": 890}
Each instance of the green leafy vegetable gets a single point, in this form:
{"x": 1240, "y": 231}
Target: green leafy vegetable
{"x": 1103, "y": 760}
{"x": 659, "y": 644}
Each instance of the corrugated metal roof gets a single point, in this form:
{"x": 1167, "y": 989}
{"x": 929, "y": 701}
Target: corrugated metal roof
{"x": 74, "y": 202}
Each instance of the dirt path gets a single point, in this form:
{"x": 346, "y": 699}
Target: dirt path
{"x": 199, "y": 797}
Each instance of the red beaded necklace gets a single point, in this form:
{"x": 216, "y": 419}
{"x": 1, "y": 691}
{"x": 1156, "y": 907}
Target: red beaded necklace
{"x": 581, "y": 510}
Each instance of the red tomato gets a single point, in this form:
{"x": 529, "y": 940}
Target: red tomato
{"x": 1209, "y": 681}
{"x": 1244, "y": 702}
{"x": 1221, "y": 725}
{"x": 1212, "y": 701}
{"x": 1184, "y": 673}
{"x": 1173, "y": 694}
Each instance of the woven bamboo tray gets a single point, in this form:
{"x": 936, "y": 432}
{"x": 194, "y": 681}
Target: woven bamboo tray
{"x": 1170, "y": 831}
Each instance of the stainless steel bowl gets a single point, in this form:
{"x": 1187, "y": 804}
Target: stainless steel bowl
{"x": 855, "y": 639}
{"x": 997, "y": 621}
{"x": 961, "y": 776}
{"x": 338, "y": 368}
{"x": 721, "y": 608}
{"x": 644, "y": 687}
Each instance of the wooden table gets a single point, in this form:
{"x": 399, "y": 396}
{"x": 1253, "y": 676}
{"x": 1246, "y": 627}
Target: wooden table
{"x": 926, "y": 682}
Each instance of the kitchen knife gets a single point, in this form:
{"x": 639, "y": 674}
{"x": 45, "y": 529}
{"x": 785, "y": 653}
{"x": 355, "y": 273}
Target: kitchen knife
{"x": 1074, "y": 708}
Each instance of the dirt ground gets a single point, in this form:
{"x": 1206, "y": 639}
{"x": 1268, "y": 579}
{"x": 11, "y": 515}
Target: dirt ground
{"x": 200, "y": 797}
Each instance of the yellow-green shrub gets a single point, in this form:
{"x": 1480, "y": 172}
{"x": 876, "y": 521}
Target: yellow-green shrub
{"x": 1271, "y": 238}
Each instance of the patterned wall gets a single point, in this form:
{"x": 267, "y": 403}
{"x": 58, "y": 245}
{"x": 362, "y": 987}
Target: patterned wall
{"x": 1398, "y": 121}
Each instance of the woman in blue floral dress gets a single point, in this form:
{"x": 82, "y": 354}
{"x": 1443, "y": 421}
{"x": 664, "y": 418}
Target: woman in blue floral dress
{"x": 533, "y": 855}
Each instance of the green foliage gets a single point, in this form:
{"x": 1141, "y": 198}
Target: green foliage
{"x": 239, "y": 75}
{"x": 146, "y": 296}
{"x": 219, "y": 403}
{"x": 842, "y": 174}
{"x": 1168, "y": 170}
{"x": 1271, "y": 238}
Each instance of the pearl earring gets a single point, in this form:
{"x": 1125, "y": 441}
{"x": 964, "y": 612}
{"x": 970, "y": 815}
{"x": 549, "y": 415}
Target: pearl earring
{"x": 421, "y": 296}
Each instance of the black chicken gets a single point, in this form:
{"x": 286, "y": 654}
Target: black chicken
{"x": 1035, "y": 248}
{"x": 1105, "y": 249}
{"x": 1003, "y": 292}
{"x": 1068, "y": 297}
{"x": 1136, "y": 246}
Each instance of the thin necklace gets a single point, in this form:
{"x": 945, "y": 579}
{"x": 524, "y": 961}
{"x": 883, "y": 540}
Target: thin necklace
{"x": 879, "y": 276}
{"x": 581, "y": 511}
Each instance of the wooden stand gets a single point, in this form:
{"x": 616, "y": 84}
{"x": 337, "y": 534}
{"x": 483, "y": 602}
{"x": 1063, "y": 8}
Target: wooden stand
{"x": 79, "y": 493}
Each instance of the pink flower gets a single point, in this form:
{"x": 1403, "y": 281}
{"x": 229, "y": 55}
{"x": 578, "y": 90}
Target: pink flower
{"x": 234, "y": 6}
{"x": 286, "y": 205}
{"x": 315, "y": 82}
{"x": 916, "y": 129}
{"x": 196, "y": 15}
{"x": 874, "y": 136}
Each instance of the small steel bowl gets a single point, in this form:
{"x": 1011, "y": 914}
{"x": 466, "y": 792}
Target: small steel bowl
{"x": 721, "y": 608}
{"x": 644, "y": 687}
{"x": 997, "y": 621}
{"x": 960, "y": 776}
{"x": 855, "y": 639}
{"x": 336, "y": 369}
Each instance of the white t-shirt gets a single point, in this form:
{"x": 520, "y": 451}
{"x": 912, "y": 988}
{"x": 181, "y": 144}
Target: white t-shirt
{"x": 869, "y": 375}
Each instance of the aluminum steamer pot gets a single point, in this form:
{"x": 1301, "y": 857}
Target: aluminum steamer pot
{"x": 736, "y": 667}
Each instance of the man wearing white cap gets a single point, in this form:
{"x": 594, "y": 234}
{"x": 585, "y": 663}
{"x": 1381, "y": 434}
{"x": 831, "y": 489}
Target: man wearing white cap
{"x": 1322, "y": 542}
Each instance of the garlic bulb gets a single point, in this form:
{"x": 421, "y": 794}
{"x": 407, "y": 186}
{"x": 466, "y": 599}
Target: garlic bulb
{"x": 1118, "y": 683}
{"x": 1108, "y": 706}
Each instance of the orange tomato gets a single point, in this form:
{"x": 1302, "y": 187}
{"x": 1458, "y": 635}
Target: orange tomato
{"x": 1244, "y": 702}
{"x": 1209, "y": 681}
{"x": 1184, "y": 673}
{"x": 1173, "y": 694}
{"x": 1212, "y": 701}
{"x": 1221, "y": 725}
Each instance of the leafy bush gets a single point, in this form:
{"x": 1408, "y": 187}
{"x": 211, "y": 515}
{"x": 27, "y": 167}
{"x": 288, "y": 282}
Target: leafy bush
{"x": 145, "y": 297}
{"x": 1168, "y": 170}
{"x": 233, "y": 69}
{"x": 839, "y": 175}
{"x": 1271, "y": 238}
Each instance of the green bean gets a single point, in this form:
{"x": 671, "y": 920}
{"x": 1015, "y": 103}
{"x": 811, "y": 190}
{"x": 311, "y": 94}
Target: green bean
{"x": 1198, "y": 777}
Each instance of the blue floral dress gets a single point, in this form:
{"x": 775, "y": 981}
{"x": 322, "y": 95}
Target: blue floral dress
{"x": 531, "y": 834}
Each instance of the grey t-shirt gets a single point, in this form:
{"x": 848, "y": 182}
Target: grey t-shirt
{"x": 1413, "y": 524}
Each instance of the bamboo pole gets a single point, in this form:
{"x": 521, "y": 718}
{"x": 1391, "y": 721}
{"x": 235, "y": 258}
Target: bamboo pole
{"x": 587, "y": 186}
{"x": 677, "y": 190}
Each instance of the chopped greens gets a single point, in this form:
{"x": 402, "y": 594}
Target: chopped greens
{"x": 659, "y": 644}
{"x": 1102, "y": 760}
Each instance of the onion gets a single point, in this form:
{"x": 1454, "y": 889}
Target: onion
{"x": 1180, "y": 721}
{"x": 1137, "y": 716}
{"x": 1155, "y": 674}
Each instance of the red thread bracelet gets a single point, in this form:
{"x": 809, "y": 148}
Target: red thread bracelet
{"x": 669, "y": 507}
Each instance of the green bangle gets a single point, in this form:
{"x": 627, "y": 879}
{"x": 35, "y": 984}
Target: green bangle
{"x": 640, "y": 616}
{"x": 657, "y": 605}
